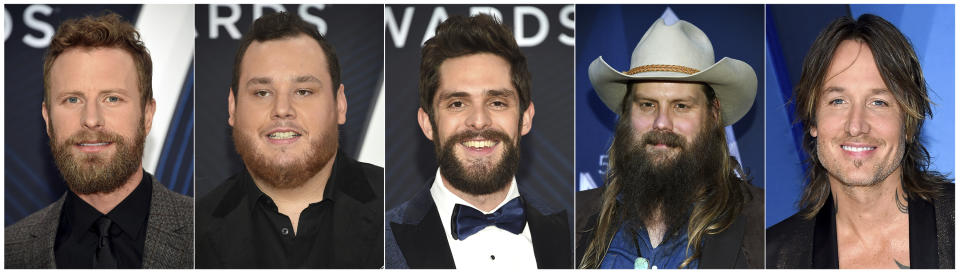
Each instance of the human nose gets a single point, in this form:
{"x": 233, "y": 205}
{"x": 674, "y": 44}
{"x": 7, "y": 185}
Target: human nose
{"x": 663, "y": 120}
{"x": 283, "y": 107}
{"x": 92, "y": 116}
{"x": 856, "y": 121}
{"x": 479, "y": 119}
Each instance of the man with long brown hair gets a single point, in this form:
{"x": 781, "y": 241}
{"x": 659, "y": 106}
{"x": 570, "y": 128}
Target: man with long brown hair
{"x": 871, "y": 200}
{"x": 673, "y": 198}
{"x": 98, "y": 107}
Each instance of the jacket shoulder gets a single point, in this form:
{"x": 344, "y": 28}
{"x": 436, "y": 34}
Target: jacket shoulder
{"x": 29, "y": 242}
{"x": 27, "y": 227}
{"x": 172, "y": 201}
{"x": 790, "y": 242}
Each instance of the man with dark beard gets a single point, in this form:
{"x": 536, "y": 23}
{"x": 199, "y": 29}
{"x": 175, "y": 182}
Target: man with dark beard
{"x": 300, "y": 202}
{"x": 475, "y": 105}
{"x": 673, "y": 198}
{"x": 98, "y": 107}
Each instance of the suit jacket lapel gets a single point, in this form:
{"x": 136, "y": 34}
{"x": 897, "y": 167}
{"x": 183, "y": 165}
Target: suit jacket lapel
{"x": 551, "y": 238}
{"x": 165, "y": 235}
{"x": 421, "y": 236}
{"x": 722, "y": 250}
{"x": 42, "y": 240}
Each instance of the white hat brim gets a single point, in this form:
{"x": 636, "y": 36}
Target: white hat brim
{"x": 733, "y": 81}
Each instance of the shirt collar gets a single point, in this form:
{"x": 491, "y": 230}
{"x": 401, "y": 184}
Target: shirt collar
{"x": 128, "y": 215}
{"x": 446, "y": 200}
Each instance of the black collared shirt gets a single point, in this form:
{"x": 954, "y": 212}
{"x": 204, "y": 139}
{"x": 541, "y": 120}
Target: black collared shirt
{"x": 275, "y": 242}
{"x": 77, "y": 235}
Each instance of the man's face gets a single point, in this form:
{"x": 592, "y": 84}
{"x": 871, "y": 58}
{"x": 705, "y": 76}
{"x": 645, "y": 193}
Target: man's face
{"x": 95, "y": 120}
{"x": 667, "y": 115}
{"x": 859, "y": 129}
{"x": 671, "y": 146}
{"x": 478, "y": 123}
{"x": 284, "y": 115}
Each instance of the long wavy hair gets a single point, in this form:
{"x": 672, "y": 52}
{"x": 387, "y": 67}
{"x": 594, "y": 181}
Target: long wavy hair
{"x": 900, "y": 69}
{"x": 717, "y": 204}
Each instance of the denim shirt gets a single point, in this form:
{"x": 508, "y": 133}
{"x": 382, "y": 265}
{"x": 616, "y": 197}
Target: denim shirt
{"x": 623, "y": 251}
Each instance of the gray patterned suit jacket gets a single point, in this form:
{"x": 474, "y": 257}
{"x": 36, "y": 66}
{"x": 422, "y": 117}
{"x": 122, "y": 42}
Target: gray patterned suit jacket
{"x": 169, "y": 241}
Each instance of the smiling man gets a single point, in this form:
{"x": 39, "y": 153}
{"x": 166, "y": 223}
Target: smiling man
{"x": 98, "y": 107}
{"x": 475, "y": 105}
{"x": 300, "y": 202}
{"x": 871, "y": 200}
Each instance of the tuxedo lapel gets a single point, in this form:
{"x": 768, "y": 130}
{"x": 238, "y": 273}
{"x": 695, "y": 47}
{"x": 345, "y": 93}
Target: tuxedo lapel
{"x": 551, "y": 238}
{"x": 421, "y": 237}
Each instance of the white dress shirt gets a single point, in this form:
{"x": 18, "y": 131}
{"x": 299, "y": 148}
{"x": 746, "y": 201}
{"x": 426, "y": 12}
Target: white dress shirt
{"x": 492, "y": 247}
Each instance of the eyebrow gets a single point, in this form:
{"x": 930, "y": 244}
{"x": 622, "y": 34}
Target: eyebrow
{"x": 500, "y": 93}
{"x": 460, "y": 94}
{"x": 259, "y": 80}
{"x": 835, "y": 89}
{"x": 105, "y": 91}
{"x": 298, "y": 79}
{"x": 306, "y": 78}
{"x": 445, "y": 96}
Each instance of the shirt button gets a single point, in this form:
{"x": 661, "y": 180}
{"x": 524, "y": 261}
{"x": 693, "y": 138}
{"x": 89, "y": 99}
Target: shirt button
{"x": 284, "y": 231}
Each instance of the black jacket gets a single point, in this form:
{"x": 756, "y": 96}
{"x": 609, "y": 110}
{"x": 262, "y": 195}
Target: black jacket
{"x": 801, "y": 243}
{"x": 740, "y": 246}
{"x": 358, "y": 220}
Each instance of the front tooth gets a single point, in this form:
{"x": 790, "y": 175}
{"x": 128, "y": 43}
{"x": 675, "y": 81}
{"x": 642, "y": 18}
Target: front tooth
{"x": 479, "y": 143}
{"x": 282, "y": 135}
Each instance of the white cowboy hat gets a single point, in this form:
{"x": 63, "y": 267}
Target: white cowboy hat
{"x": 679, "y": 52}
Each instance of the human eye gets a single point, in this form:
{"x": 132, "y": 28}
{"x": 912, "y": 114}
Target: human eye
{"x": 879, "y": 103}
{"x": 499, "y": 104}
{"x": 71, "y": 100}
{"x": 261, "y": 93}
{"x": 836, "y": 101}
{"x": 646, "y": 105}
{"x": 303, "y": 92}
{"x": 112, "y": 99}
{"x": 456, "y": 105}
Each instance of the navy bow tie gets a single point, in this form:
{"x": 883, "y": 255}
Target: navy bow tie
{"x": 467, "y": 221}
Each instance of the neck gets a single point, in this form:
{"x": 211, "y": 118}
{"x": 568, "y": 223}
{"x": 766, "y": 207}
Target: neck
{"x": 485, "y": 202}
{"x": 292, "y": 201}
{"x": 860, "y": 206}
{"x": 105, "y": 202}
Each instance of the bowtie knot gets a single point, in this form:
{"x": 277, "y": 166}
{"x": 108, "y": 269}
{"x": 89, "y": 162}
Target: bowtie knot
{"x": 467, "y": 221}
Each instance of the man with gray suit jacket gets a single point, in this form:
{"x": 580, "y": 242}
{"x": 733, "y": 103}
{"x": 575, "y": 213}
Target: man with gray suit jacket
{"x": 98, "y": 107}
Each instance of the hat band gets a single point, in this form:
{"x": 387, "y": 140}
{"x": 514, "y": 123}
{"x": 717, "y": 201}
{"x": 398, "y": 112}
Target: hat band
{"x": 662, "y": 68}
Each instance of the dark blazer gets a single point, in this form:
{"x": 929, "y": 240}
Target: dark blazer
{"x": 811, "y": 243}
{"x": 168, "y": 244}
{"x": 740, "y": 246}
{"x": 357, "y": 230}
{"x": 415, "y": 237}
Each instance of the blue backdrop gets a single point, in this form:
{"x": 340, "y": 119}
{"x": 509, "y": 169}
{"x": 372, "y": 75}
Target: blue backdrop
{"x": 791, "y": 30}
{"x": 612, "y": 31}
